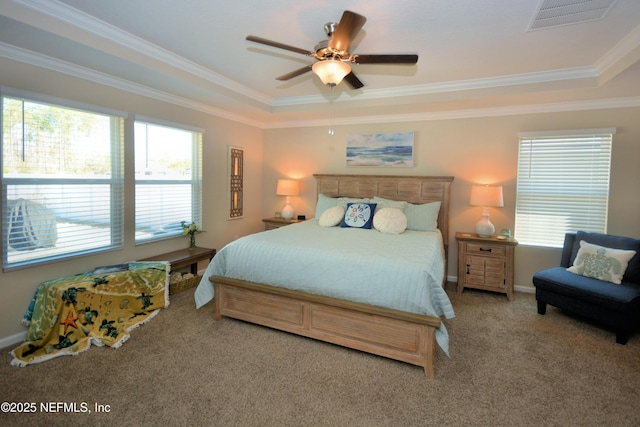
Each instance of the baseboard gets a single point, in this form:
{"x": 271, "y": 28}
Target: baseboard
{"x": 516, "y": 288}
{"x": 13, "y": 340}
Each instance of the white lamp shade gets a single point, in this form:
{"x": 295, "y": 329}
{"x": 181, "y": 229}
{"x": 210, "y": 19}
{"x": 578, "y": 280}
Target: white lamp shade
{"x": 331, "y": 71}
{"x": 486, "y": 195}
{"x": 287, "y": 187}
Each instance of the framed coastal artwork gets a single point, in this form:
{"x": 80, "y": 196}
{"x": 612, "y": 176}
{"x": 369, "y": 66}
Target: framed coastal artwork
{"x": 393, "y": 150}
{"x": 236, "y": 182}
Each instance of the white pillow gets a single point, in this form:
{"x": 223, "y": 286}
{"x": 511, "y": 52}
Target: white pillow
{"x": 390, "y": 221}
{"x": 601, "y": 263}
{"x": 332, "y": 216}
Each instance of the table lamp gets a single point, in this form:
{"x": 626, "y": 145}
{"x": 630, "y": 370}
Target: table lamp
{"x": 486, "y": 196}
{"x": 287, "y": 187}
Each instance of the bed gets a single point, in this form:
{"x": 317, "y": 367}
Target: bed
{"x": 363, "y": 289}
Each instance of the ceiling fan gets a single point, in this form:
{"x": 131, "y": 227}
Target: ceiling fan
{"x": 332, "y": 55}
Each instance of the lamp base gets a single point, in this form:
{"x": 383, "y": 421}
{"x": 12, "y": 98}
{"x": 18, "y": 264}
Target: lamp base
{"x": 484, "y": 228}
{"x": 287, "y": 212}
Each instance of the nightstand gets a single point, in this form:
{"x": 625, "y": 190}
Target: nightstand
{"x": 271, "y": 223}
{"x": 485, "y": 263}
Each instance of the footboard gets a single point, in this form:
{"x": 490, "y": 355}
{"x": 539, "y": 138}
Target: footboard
{"x": 398, "y": 335}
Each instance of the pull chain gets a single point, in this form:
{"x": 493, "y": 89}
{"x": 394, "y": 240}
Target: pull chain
{"x": 331, "y": 132}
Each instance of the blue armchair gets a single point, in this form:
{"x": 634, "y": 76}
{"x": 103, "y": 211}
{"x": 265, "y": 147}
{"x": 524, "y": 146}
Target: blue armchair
{"x": 616, "y": 306}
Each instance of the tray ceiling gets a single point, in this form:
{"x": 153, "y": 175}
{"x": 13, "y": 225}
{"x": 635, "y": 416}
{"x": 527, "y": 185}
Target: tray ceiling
{"x": 475, "y": 57}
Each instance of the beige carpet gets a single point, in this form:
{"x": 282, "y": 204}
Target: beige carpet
{"x": 509, "y": 366}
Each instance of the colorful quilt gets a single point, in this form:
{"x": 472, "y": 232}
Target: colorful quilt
{"x": 100, "y": 307}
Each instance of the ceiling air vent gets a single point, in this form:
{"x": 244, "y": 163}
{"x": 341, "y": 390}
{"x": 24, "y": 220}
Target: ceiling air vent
{"x": 554, "y": 13}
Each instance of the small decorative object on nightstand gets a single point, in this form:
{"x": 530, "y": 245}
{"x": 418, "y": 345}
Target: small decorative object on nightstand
{"x": 271, "y": 223}
{"x": 486, "y": 263}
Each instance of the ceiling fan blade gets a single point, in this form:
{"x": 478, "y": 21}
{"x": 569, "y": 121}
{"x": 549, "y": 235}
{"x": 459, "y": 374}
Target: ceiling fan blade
{"x": 295, "y": 73}
{"x": 353, "y": 81}
{"x": 385, "y": 59}
{"x": 279, "y": 45}
{"x": 348, "y": 27}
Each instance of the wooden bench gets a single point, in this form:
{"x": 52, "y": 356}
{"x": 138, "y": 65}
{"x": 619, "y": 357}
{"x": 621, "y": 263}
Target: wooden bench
{"x": 185, "y": 258}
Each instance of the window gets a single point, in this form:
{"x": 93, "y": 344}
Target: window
{"x": 62, "y": 179}
{"x": 563, "y": 185}
{"x": 168, "y": 179}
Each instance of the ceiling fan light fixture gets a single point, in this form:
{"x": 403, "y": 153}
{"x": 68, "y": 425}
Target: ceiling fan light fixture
{"x": 331, "y": 71}
{"x": 333, "y": 57}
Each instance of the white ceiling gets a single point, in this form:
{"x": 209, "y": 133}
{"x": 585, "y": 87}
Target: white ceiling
{"x": 476, "y": 57}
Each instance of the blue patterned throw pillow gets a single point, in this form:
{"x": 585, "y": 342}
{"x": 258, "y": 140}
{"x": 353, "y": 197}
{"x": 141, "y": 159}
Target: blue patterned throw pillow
{"x": 359, "y": 215}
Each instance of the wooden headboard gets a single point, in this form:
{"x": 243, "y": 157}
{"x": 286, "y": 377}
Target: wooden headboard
{"x": 412, "y": 189}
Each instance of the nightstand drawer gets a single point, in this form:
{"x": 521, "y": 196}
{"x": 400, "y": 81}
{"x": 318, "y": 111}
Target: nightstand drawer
{"x": 485, "y": 249}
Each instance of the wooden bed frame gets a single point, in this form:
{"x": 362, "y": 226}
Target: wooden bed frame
{"x": 395, "y": 334}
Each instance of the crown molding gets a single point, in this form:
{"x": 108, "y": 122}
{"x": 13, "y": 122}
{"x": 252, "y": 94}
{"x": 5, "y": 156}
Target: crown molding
{"x": 90, "y": 24}
{"x": 541, "y": 77}
{"x": 53, "y": 64}
{"x": 623, "y": 54}
{"x": 124, "y": 40}
{"x": 558, "y": 107}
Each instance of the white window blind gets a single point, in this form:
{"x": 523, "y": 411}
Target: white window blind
{"x": 563, "y": 185}
{"x": 168, "y": 171}
{"x": 62, "y": 181}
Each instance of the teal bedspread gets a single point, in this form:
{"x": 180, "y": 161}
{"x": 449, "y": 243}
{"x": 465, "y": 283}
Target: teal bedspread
{"x": 403, "y": 272}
